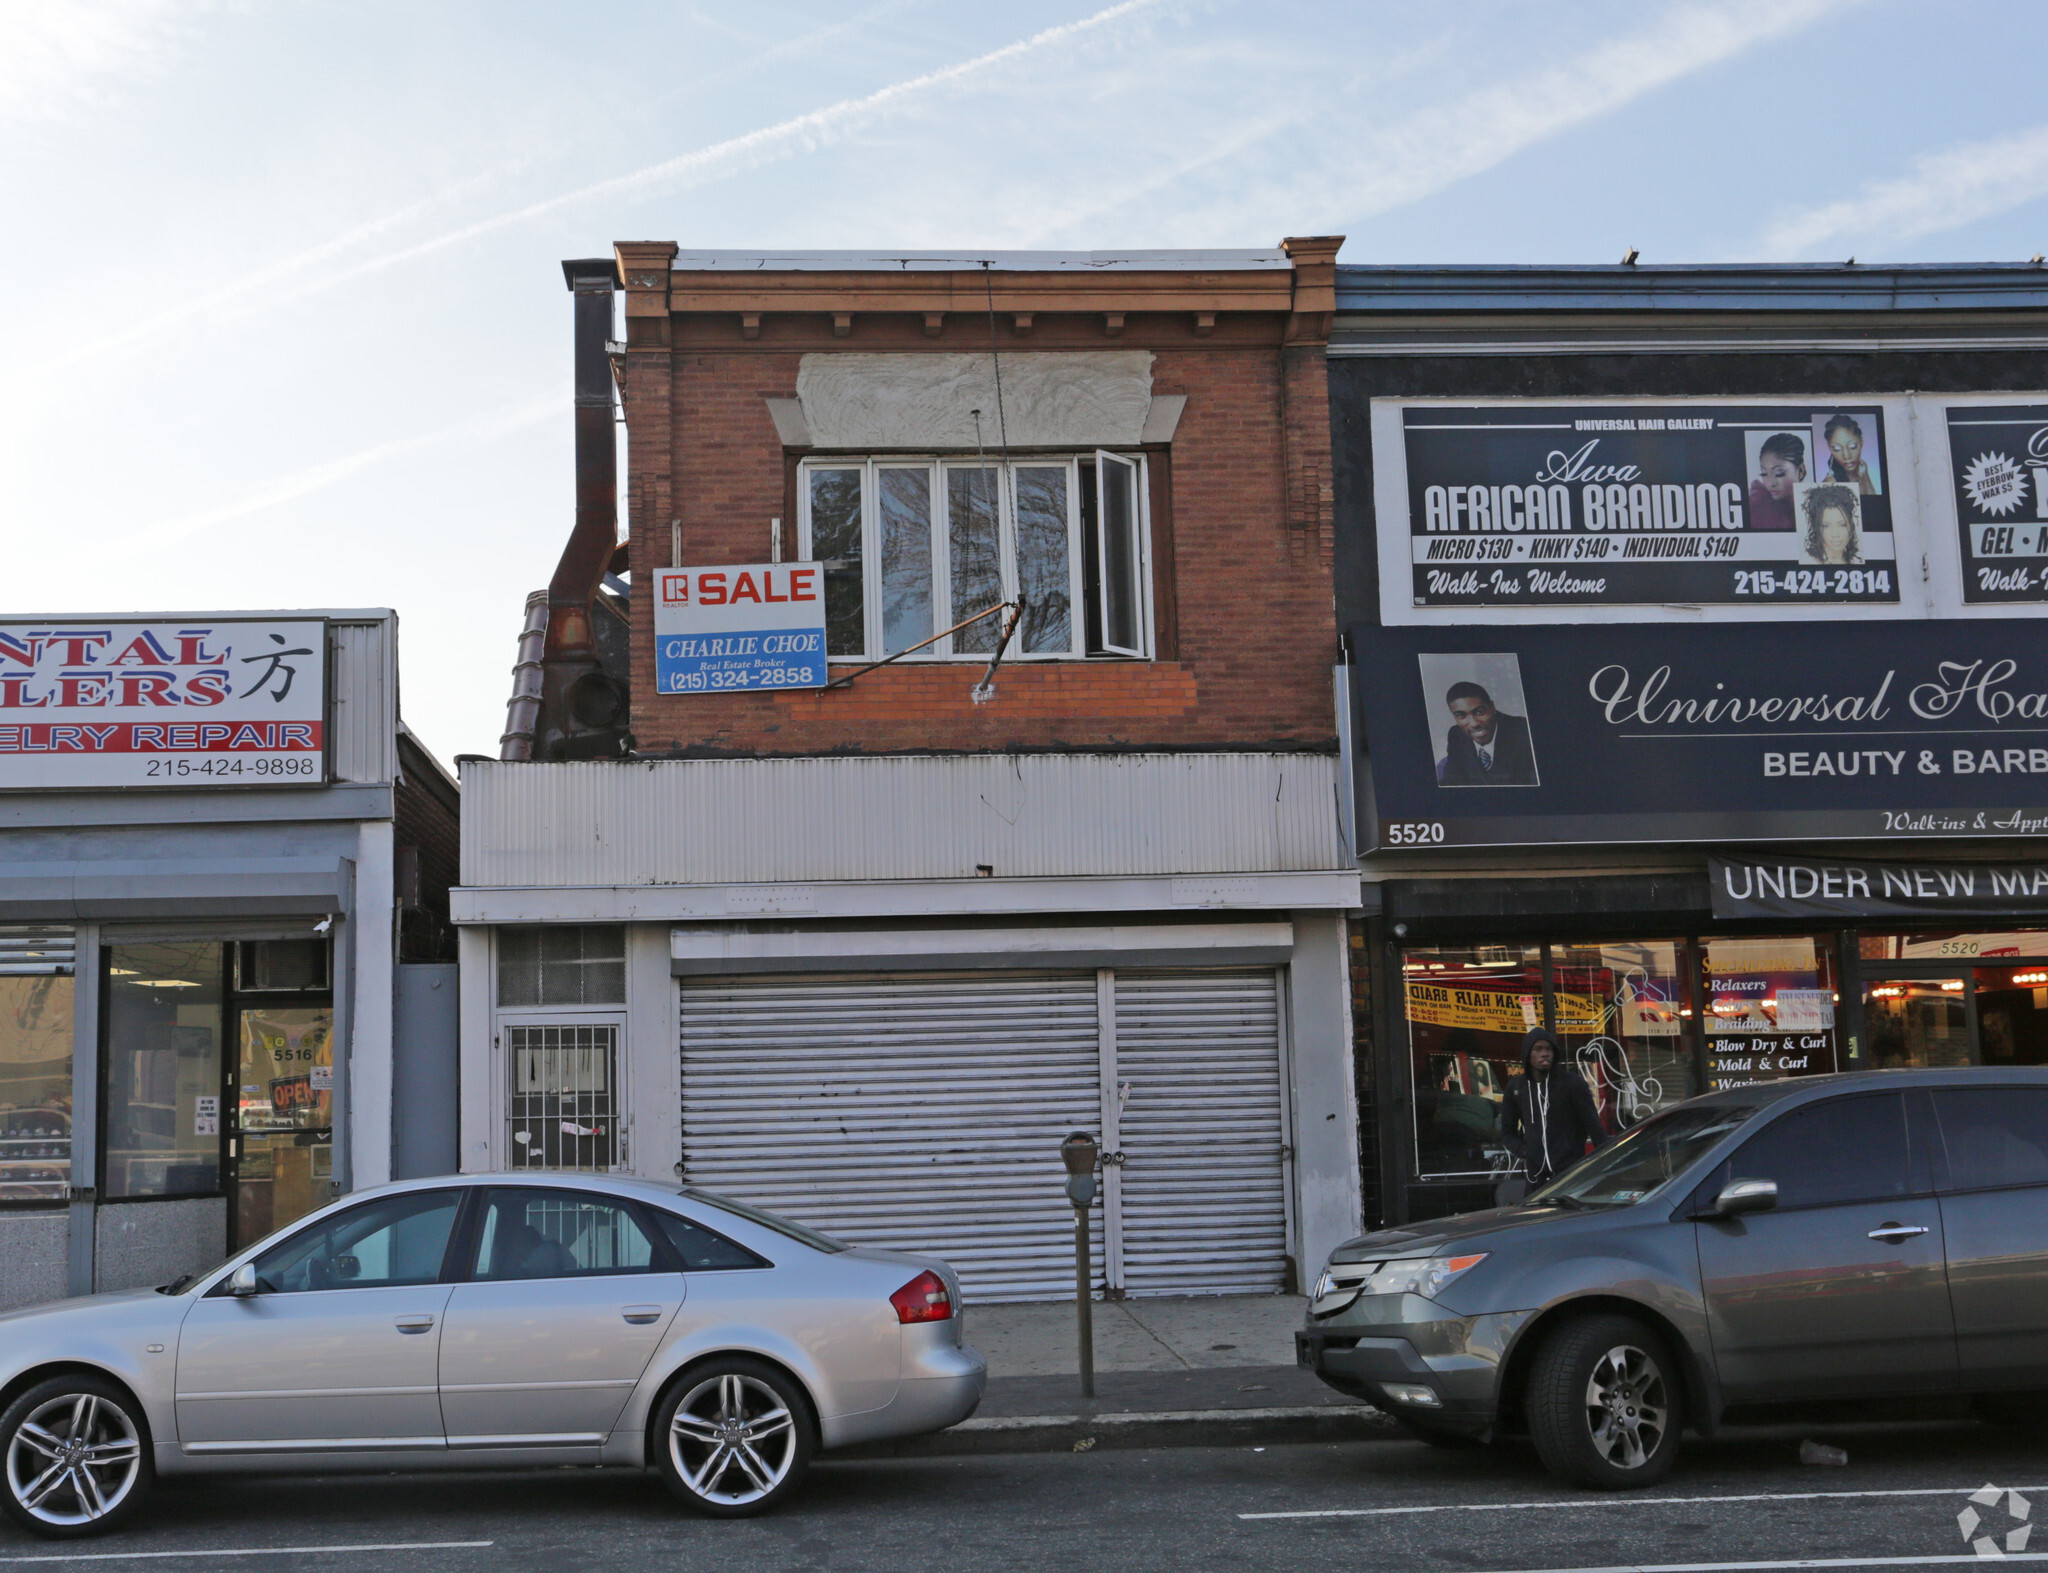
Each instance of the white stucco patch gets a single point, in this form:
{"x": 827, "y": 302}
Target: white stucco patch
{"x": 1077, "y": 399}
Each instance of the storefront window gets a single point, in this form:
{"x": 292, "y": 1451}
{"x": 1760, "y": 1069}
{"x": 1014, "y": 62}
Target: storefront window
{"x": 35, "y": 1088}
{"x": 1964, "y": 946}
{"x": 1467, "y": 1010}
{"x": 1770, "y": 1008}
{"x": 1622, "y": 1014}
{"x": 163, "y": 1080}
{"x": 2012, "y": 1015}
{"x": 1914, "y": 1023}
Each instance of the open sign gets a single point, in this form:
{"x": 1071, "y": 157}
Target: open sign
{"x": 290, "y": 1094}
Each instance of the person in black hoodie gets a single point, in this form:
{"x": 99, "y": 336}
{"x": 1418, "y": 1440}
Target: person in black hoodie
{"x": 1548, "y": 1115}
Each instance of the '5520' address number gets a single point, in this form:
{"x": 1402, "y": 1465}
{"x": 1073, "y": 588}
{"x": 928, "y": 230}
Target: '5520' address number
{"x": 1413, "y": 832}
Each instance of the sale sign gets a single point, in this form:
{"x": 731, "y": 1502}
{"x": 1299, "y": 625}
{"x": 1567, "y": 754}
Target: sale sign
{"x": 747, "y": 627}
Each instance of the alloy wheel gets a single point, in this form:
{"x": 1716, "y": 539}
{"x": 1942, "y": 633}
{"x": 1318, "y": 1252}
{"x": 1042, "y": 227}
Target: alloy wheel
{"x": 732, "y": 1439}
{"x": 73, "y": 1460}
{"x": 1627, "y": 1408}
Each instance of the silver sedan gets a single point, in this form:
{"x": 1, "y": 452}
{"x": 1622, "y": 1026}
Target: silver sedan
{"x": 485, "y": 1322}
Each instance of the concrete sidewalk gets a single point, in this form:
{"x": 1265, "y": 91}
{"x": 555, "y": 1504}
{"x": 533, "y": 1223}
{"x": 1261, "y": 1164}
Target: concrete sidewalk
{"x": 1194, "y": 1371}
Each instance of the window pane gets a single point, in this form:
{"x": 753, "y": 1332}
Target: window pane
{"x": 1945, "y": 946}
{"x": 35, "y": 1088}
{"x": 381, "y": 1245}
{"x": 1043, "y": 572}
{"x": 1915, "y": 1023}
{"x": 558, "y": 1234}
{"x": 1091, "y": 558}
{"x": 1655, "y": 1152}
{"x": 906, "y": 504}
{"x": 163, "y": 1040}
{"x": 1850, "y": 1150}
{"x": 1467, "y": 1010}
{"x": 703, "y": 1251}
{"x": 2012, "y": 1015}
{"x": 1120, "y": 589}
{"x": 974, "y": 556}
{"x": 563, "y": 1111}
{"x": 570, "y": 965}
{"x": 835, "y": 542}
{"x": 1770, "y": 1008}
{"x": 269, "y": 965}
{"x": 1994, "y": 1135}
{"x": 284, "y": 1117}
{"x": 1622, "y": 1011}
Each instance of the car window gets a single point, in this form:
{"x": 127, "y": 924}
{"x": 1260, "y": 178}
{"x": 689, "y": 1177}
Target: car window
{"x": 388, "y": 1243}
{"x": 704, "y": 1250}
{"x": 1996, "y": 1136}
{"x": 1643, "y": 1161}
{"x": 1844, "y": 1150}
{"x": 768, "y": 1220}
{"x": 532, "y": 1233}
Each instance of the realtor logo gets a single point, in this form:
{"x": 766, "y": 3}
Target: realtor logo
{"x": 2017, "y": 1511}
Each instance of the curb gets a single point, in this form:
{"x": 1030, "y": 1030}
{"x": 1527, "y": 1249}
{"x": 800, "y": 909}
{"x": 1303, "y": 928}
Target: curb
{"x": 1170, "y": 1428}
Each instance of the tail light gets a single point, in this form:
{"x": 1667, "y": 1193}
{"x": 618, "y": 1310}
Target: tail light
{"x": 923, "y": 1299}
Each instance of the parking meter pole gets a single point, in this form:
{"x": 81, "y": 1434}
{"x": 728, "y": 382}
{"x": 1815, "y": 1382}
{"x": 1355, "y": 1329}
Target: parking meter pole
{"x": 1079, "y": 1153}
{"x": 1084, "y": 1301}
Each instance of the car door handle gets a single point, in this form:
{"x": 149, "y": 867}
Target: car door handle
{"x": 642, "y": 1313}
{"x": 413, "y": 1324}
{"x": 1893, "y": 1233}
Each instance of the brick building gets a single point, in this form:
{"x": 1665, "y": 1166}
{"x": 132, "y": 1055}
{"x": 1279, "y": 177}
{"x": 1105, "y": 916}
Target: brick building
{"x": 865, "y": 952}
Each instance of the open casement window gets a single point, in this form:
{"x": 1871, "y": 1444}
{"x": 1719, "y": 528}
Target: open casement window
{"x": 914, "y": 546}
{"x": 1118, "y": 557}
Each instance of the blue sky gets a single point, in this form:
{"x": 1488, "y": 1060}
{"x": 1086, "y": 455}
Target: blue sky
{"x": 285, "y": 325}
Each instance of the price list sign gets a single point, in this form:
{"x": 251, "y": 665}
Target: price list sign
{"x": 1999, "y": 455}
{"x": 1575, "y": 505}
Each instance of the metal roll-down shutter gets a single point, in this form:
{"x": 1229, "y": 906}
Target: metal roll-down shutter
{"x": 1204, "y": 1182}
{"x": 917, "y": 1111}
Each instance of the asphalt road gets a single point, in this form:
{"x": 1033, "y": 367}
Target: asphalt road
{"x": 1387, "y": 1506}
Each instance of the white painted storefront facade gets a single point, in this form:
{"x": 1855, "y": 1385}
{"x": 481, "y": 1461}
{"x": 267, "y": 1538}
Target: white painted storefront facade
{"x": 875, "y": 993}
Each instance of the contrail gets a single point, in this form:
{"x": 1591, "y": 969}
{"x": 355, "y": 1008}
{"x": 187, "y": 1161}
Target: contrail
{"x": 1939, "y": 191}
{"x": 284, "y": 268}
{"x": 803, "y": 133}
{"x": 486, "y": 426}
{"x": 1379, "y": 169}
{"x": 247, "y": 283}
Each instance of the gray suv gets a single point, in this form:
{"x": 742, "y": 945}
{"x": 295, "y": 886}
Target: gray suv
{"x": 1876, "y": 1235}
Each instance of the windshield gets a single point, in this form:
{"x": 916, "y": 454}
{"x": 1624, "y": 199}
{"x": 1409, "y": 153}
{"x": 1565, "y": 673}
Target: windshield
{"x": 1647, "y": 1158}
{"x": 767, "y": 1220}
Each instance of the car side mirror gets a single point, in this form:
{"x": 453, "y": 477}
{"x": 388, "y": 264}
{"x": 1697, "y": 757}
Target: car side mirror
{"x": 1746, "y": 1196}
{"x": 242, "y": 1281}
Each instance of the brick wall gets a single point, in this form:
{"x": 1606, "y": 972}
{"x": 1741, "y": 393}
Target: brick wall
{"x": 1242, "y": 550}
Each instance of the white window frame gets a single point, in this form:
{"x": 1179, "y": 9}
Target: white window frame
{"x": 937, "y": 467}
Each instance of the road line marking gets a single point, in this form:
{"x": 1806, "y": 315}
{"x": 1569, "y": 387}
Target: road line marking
{"x": 258, "y": 1551}
{"x": 1625, "y": 1499}
{"x": 1798, "y": 1562}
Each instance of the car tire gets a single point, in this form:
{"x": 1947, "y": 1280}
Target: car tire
{"x": 1605, "y": 1405}
{"x": 733, "y": 1436}
{"x": 76, "y": 1457}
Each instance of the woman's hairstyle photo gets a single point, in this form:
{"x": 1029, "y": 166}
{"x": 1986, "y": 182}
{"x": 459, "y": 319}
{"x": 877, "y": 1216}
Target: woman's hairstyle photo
{"x": 1816, "y": 504}
{"x": 1783, "y": 445}
{"x": 1845, "y": 423}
